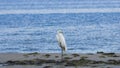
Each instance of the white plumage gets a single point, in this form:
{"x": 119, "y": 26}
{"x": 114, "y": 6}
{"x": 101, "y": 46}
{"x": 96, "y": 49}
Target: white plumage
{"x": 61, "y": 40}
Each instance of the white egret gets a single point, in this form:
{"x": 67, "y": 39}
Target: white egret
{"x": 61, "y": 42}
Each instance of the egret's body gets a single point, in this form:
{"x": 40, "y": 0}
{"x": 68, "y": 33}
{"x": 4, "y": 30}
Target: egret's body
{"x": 61, "y": 41}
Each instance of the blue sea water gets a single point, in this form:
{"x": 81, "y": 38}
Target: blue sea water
{"x": 84, "y": 32}
{"x": 57, "y": 4}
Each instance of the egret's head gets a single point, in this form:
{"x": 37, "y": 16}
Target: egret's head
{"x": 59, "y": 31}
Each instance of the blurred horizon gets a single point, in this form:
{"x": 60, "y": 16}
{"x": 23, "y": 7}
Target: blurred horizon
{"x": 57, "y": 4}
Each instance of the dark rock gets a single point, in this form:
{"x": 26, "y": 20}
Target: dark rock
{"x": 98, "y": 62}
{"x": 75, "y": 55}
{"x": 100, "y": 52}
{"x": 47, "y": 55}
{"x": 47, "y": 67}
{"x": 82, "y": 61}
{"x": 115, "y": 62}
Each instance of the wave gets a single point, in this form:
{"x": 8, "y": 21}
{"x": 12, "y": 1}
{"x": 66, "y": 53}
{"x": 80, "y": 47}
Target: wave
{"x": 49, "y": 11}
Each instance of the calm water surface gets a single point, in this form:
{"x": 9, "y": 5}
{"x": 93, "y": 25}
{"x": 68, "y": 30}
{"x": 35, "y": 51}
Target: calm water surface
{"x": 84, "y": 32}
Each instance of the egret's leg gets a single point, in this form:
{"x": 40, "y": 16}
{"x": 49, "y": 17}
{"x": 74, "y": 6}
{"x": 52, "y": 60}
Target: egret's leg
{"x": 62, "y": 55}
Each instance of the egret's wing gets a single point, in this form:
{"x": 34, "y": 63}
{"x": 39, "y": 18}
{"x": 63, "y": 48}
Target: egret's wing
{"x": 62, "y": 41}
{"x": 58, "y": 39}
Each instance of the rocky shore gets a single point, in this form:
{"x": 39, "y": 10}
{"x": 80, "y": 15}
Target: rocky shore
{"x": 53, "y": 60}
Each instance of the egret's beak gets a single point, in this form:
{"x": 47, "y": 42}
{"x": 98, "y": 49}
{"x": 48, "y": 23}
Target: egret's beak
{"x": 59, "y": 31}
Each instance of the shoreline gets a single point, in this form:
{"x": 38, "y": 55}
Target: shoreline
{"x": 72, "y": 60}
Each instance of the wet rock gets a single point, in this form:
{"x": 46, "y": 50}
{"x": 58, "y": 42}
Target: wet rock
{"x": 30, "y": 62}
{"x": 115, "y": 62}
{"x": 75, "y": 55}
{"x": 66, "y": 58}
{"x": 82, "y": 61}
{"x": 98, "y": 62}
{"x": 47, "y": 67}
{"x": 100, "y": 52}
{"x": 47, "y": 55}
{"x": 110, "y": 54}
